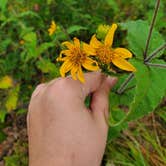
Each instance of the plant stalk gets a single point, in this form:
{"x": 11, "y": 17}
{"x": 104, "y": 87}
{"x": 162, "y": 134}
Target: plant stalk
{"x": 151, "y": 28}
{"x": 156, "y": 65}
{"x": 125, "y": 83}
{"x": 150, "y": 57}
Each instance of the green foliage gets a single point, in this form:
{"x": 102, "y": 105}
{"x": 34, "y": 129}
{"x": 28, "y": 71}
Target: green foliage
{"x": 149, "y": 89}
{"x": 28, "y": 55}
{"x": 18, "y": 158}
{"x": 137, "y": 33}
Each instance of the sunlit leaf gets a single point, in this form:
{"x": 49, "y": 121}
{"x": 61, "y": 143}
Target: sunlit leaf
{"x": 11, "y": 102}
{"x": 6, "y": 82}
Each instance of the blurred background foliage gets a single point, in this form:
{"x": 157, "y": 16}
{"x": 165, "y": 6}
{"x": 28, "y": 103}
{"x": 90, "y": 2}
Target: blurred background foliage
{"x": 27, "y": 58}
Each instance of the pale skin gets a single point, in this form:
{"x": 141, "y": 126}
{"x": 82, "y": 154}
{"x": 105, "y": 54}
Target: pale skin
{"x": 61, "y": 130}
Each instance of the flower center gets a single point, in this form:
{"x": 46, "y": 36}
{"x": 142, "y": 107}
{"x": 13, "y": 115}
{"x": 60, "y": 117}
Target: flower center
{"x": 105, "y": 54}
{"x": 78, "y": 56}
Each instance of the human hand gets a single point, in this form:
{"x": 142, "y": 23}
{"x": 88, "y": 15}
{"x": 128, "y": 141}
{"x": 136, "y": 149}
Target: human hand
{"x": 61, "y": 130}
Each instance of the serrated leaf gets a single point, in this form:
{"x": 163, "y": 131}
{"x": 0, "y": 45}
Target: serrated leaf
{"x": 137, "y": 33}
{"x": 74, "y": 28}
{"x": 11, "y": 102}
{"x": 6, "y": 82}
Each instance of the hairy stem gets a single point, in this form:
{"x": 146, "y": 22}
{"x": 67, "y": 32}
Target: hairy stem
{"x": 125, "y": 83}
{"x": 156, "y": 65}
{"x": 151, "y": 28}
{"x": 155, "y": 52}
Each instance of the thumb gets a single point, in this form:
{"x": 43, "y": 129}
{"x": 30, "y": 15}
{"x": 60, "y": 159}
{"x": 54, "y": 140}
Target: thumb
{"x": 100, "y": 104}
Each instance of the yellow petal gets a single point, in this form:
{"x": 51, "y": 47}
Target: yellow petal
{"x": 53, "y": 25}
{"x": 74, "y": 72}
{"x": 61, "y": 59}
{"x": 66, "y": 66}
{"x": 65, "y": 52}
{"x": 90, "y": 64}
{"x": 123, "y": 64}
{"x": 110, "y": 35}
{"x": 76, "y": 42}
{"x": 94, "y": 42}
{"x": 88, "y": 49}
{"x": 80, "y": 75}
{"x": 122, "y": 52}
{"x": 68, "y": 45}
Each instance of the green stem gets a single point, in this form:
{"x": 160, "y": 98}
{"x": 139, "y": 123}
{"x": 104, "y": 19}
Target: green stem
{"x": 151, "y": 27}
{"x": 163, "y": 46}
{"x": 125, "y": 119}
{"x": 125, "y": 83}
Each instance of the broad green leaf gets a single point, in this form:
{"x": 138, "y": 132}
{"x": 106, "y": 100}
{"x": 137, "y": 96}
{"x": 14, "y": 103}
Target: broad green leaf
{"x": 6, "y": 82}
{"x": 137, "y": 33}
{"x": 11, "y": 102}
{"x": 74, "y": 28}
{"x": 43, "y": 47}
{"x": 153, "y": 89}
{"x": 142, "y": 85}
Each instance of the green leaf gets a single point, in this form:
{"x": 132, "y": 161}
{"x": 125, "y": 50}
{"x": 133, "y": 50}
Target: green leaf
{"x": 142, "y": 85}
{"x": 6, "y": 82}
{"x": 137, "y": 33}
{"x": 43, "y": 47}
{"x": 113, "y": 5}
{"x": 11, "y": 102}
{"x": 2, "y": 116}
{"x": 150, "y": 90}
{"x": 3, "y": 4}
{"x": 30, "y": 38}
{"x": 46, "y": 66}
{"x": 30, "y": 44}
{"x": 75, "y": 28}
{"x": 4, "y": 44}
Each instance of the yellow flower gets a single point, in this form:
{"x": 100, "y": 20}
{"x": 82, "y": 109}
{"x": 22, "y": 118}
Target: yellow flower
{"x": 52, "y": 28}
{"x": 107, "y": 54}
{"x": 76, "y": 57}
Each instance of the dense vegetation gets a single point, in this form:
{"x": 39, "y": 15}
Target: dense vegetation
{"x": 28, "y": 57}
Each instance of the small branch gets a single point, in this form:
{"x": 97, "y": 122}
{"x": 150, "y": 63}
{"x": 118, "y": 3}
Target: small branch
{"x": 155, "y": 52}
{"x": 151, "y": 27}
{"x": 125, "y": 83}
{"x": 129, "y": 88}
{"x": 156, "y": 65}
